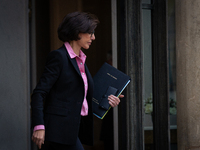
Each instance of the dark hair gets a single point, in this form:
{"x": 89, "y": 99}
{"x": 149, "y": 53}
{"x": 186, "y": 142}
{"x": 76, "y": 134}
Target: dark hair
{"x": 75, "y": 23}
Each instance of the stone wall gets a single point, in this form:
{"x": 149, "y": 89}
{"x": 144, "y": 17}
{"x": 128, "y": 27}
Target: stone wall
{"x": 188, "y": 73}
{"x": 14, "y": 76}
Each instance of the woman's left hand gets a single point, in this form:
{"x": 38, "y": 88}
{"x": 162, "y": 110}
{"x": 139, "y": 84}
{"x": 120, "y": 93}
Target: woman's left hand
{"x": 113, "y": 100}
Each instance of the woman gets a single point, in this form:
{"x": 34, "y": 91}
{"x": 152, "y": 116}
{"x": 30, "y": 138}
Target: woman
{"x": 62, "y": 100}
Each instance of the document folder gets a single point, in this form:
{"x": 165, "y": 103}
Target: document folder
{"x": 108, "y": 80}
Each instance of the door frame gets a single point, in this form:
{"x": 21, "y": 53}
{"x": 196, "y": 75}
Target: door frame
{"x": 115, "y": 64}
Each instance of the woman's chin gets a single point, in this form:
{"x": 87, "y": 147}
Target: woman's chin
{"x": 86, "y": 47}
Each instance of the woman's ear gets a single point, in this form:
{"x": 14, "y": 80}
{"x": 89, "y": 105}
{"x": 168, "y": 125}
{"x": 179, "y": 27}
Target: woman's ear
{"x": 80, "y": 36}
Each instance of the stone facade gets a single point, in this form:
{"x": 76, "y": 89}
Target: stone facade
{"x": 188, "y": 73}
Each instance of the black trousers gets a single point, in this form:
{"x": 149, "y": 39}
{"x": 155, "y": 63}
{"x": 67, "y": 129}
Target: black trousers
{"x": 57, "y": 146}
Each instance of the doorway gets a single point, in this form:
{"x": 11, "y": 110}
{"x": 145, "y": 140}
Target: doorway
{"x": 46, "y": 16}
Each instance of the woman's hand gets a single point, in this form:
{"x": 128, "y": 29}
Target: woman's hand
{"x": 38, "y": 137}
{"x": 113, "y": 100}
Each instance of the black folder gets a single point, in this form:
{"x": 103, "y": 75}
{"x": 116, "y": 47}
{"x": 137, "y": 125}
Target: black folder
{"x": 108, "y": 80}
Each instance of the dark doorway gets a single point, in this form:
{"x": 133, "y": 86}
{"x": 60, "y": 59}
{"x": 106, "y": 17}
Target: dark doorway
{"x": 47, "y": 16}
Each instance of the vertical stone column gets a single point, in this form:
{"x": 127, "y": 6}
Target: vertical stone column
{"x": 188, "y": 73}
{"x": 14, "y": 76}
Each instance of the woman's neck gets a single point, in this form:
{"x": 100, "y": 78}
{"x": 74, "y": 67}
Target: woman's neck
{"x": 75, "y": 47}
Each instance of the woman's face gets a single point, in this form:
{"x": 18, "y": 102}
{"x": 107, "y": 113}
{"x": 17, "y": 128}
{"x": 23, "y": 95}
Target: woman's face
{"x": 85, "y": 40}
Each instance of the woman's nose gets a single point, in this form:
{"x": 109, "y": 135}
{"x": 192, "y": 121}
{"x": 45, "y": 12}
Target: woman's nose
{"x": 93, "y": 36}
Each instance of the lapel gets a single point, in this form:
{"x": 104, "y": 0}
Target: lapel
{"x": 75, "y": 65}
{"x": 73, "y": 61}
{"x": 89, "y": 77}
{"x": 90, "y": 81}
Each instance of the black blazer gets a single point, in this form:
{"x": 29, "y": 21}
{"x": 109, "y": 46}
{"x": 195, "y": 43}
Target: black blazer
{"x": 57, "y": 100}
